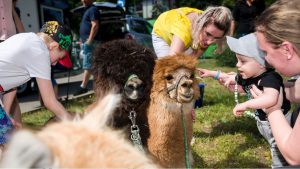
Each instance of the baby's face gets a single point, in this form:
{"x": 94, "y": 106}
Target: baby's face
{"x": 249, "y": 67}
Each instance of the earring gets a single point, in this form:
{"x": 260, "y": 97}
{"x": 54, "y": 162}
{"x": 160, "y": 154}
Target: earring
{"x": 195, "y": 46}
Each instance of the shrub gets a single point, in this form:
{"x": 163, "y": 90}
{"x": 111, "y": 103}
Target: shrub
{"x": 227, "y": 58}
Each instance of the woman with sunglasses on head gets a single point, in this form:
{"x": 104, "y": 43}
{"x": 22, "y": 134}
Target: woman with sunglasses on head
{"x": 191, "y": 30}
{"x": 278, "y": 35}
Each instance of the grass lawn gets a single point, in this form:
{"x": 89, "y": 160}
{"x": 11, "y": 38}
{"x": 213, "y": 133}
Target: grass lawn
{"x": 222, "y": 140}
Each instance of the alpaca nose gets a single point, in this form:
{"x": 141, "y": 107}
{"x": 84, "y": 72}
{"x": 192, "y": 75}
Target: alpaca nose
{"x": 187, "y": 84}
{"x": 133, "y": 88}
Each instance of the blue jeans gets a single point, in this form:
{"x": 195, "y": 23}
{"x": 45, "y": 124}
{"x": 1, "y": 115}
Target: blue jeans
{"x": 265, "y": 130}
{"x": 87, "y": 55}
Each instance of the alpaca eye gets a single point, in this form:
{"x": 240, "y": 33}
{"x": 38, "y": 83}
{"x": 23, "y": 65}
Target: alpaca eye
{"x": 169, "y": 77}
{"x": 192, "y": 76}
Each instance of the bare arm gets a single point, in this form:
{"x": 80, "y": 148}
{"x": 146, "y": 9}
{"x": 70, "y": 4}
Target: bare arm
{"x": 225, "y": 79}
{"x": 267, "y": 99}
{"x": 197, "y": 53}
{"x": 50, "y": 101}
{"x": 287, "y": 138}
{"x": 18, "y": 23}
{"x": 177, "y": 46}
{"x": 212, "y": 73}
{"x": 93, "y": 32}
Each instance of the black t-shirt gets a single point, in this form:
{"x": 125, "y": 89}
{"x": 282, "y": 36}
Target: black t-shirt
{"x": 244, "y": 15}
{"x": 270, "y": 79}
{"x": 91, "y": 13}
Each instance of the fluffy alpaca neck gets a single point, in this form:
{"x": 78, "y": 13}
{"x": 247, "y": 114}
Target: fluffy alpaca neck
{"x": 166, "y": 140}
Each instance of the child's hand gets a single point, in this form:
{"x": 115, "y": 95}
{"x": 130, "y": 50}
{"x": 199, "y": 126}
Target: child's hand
{"x": 204, "y": 72}
{"x": 230, "y": 80}
{"x": 239, "y": 109}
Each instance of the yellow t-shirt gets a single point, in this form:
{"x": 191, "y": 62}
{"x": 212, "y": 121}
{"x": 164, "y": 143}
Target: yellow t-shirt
{"x": 175, "y": 22}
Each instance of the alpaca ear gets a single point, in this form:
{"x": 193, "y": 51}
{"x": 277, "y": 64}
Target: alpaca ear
{"x": 100, "y": 113}
{"x": 26, "y": 151}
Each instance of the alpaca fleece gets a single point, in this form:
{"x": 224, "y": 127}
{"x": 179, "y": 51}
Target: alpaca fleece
{"x": 82, "y": 143}
{"x": 113, "y": 63}
{"x": 166, "y": 141}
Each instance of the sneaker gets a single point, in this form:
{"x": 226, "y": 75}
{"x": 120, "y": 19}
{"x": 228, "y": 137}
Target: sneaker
{"x": 80, "y": 91}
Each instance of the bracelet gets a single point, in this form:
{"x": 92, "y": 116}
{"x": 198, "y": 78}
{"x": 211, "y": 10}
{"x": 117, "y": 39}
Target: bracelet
{"x": 217, "y": 75}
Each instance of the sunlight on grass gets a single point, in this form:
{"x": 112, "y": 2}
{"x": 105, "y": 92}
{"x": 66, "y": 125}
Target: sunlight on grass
{"x": 222, "y": 140}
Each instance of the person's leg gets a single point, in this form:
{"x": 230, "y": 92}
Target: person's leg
{"x": 160, "y": 46}
{"x": 1, "y": 150}
{"x": 15, "y": 109}
{"x": 87, "y": 64}
{"x": 86, "y": 78}
{"x": 12, "y": 107}
{"x": 8, "y": 99}
{"x": 277, "y": 158}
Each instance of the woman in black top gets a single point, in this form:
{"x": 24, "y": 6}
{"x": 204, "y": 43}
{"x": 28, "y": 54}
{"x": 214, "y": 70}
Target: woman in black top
{"x": 244, "y": 14}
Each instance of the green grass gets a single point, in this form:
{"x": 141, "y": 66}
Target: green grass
{"x": 222, "y": 140}
{"x": 36, "y": 119}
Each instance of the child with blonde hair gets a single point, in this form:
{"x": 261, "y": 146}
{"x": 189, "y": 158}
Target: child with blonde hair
{"x": 28, "y": 55}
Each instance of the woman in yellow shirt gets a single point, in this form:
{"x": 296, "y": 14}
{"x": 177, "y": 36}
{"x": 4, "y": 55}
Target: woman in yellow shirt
{"x": 191, "y": 30}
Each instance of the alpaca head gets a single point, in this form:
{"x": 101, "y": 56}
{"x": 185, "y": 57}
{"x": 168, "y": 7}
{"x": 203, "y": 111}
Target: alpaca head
{"x": 174, "y": 78}
{"x": 126, "y": 67}
{"x": 82, "y": 143}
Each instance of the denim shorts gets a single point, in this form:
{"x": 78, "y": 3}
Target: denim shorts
{"x": 87, "y": 55}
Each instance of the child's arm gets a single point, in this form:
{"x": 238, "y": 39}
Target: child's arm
{"x": 226, "y": 79}
{"x": 211, "y": 73}
{"x": 50, "y": 101}
{"x": 267, "y": 99}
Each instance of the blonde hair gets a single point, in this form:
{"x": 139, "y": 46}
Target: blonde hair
{"x": 220, "y": 17}
{"x": 281, "y": 22}
{"x": 46, "y": 38}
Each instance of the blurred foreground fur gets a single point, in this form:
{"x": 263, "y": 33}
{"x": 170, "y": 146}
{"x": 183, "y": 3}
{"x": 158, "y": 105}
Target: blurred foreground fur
{"x": 82, "y": 143}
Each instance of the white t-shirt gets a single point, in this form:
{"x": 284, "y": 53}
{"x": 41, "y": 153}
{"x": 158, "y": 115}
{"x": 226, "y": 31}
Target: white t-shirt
{"x": 22, "y": 57}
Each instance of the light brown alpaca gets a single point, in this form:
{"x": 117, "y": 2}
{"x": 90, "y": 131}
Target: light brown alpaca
{"x": 85, "y": 143}
{"x": 174, "y": 86}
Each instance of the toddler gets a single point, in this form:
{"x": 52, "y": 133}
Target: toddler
{"x": 252, "y": 70}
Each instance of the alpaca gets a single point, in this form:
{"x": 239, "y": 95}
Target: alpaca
{"x": 85, "y": 143}
{"x": 126, "y": 67}
{"x": 173, "y": 92}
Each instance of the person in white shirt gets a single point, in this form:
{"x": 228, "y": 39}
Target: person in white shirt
{"x": 27, "y": 55}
